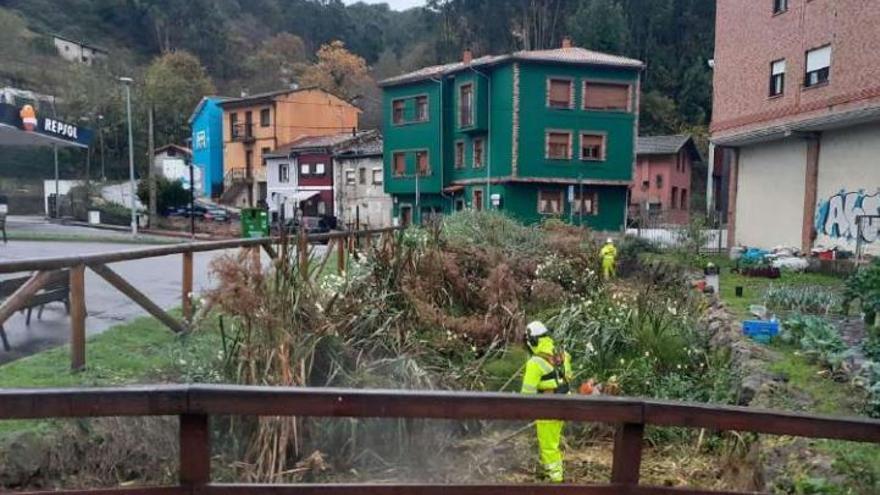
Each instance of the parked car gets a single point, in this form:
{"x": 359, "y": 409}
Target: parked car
{"x": 311, "y": 225}
{"x": 198, "y": 211}
{"x": 216, "y": 214}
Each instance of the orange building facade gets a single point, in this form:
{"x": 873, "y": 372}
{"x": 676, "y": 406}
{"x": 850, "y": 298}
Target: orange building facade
{"x": 255, "y": 125}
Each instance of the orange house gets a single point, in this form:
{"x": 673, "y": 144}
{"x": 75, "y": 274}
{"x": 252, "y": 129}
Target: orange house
{"x": 255, "y": 125}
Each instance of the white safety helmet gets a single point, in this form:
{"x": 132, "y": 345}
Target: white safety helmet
{"x": 609, "y": 241}
{"x": 536, "y": 329}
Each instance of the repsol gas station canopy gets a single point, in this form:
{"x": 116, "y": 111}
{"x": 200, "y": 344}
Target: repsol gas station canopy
{"x": 22, "y": 126}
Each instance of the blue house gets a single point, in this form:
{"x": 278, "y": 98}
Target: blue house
{"x": 206, "y": 123}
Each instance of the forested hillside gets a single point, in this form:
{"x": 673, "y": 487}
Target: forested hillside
{"x": 257, "y": 45}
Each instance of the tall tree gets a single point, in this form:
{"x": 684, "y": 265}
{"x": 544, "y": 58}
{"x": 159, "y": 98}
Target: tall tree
{"x": 600, "y": 25}
{"x": 338, "y": 71}
{"x": 276, "y": 64}
{"x": 174, "y": 84}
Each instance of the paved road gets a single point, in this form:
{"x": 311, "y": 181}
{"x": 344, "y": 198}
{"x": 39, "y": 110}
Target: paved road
{"x": 33, "y": 226}
{"x": 159, "y": 278}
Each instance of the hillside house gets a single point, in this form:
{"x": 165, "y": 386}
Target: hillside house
{"x": 255, "y": 125}
{"x": 661, "y": 186}
{"x": 358, "y": 183}
{"x": 535, "y": 134}
{"x": 77, "y": 51}
{"x": 206, "y": 123}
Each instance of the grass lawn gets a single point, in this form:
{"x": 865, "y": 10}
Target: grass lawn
{"x": 142, "y": 351}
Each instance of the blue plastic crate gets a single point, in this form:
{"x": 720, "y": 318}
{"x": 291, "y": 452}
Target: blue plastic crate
{"x": 760, "y": 330}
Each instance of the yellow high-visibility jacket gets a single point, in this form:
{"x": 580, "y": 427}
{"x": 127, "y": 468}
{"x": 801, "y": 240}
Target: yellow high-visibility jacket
{"x": 608, "y": 252}
{"x": 541, "y": 376}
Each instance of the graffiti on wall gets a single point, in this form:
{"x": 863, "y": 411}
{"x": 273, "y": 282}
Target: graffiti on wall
{"x": 837, "y": 216}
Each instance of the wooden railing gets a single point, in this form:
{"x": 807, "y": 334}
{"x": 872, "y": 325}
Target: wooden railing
{"x": 42, "y": 269}
{"x": 194, "y": 404}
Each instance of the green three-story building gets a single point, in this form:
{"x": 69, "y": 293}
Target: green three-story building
{"x": 534, "y": 134}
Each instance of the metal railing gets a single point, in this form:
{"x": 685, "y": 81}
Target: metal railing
{"x": 243, "y": 132}
{"x": 195, "y": 404}
{"x": 42, "y": 269}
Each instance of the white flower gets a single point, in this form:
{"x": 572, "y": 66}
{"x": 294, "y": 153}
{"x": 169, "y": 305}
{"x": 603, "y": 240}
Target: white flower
{"x": 647, "y": 353}
{"x": 590, "y": 348}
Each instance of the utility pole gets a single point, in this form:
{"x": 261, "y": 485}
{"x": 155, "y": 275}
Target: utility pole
{"x": 101, "y": 144}
{"x": 54, "y": 213}
{"x": 151, "y": 173}
{"x": 127, "y": 81}
{"x": 192, "y": 201}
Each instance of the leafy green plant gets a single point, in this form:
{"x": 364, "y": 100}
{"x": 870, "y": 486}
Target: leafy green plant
{"x": 803, "y": 299}
{"x": 819, "y": 339}
{"x": 864, "y": 287}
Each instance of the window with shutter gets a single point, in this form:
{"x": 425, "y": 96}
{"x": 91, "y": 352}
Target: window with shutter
{"x": 586, "y": 204}
{"x": 397, "y": 109}
{"x": 466, "y": 105}
{"x": 459, "y": 154}
{"x": 559, "y": 93}
{"x": 818, "y": 66}
{"x": 592, "y": 147}
{"x": 558, "y": 146}
{"x": 550, "y": 202}
{"x": 399, "y": 164}
{"x": 606, "y": 96}
{"x": 478, "y": 153}
{"x": 422, "y": 162}
{"x": 421, "y": 108}
{"x": 349, "y": 177}
{"x": 777, "y": 78}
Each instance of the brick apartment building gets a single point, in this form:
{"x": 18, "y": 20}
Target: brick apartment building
{"x": 796, "y": 122}
{"x": 255, "y": 125}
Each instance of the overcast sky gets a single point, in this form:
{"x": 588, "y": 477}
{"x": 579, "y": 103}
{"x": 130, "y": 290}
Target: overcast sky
{"x": 395, "y": 4}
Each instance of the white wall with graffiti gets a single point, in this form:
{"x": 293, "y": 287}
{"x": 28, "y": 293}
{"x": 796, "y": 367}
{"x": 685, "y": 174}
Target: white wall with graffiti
{"x": 770, "y": 194}
{"x": 848, "y": 187}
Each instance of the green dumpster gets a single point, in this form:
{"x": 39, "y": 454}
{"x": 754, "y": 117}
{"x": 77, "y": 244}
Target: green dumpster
{"x": 254, "y": 223}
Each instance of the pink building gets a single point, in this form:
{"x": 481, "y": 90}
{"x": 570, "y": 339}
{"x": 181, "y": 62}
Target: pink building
{"x": 661, "y": 185}
{"x": 795, "y": 123}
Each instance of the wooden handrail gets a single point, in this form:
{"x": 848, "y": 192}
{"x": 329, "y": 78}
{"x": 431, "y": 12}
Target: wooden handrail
{"x": 164, "y": 400}
{"x": 194, "y": 404}
{"x": 33, "y": 264}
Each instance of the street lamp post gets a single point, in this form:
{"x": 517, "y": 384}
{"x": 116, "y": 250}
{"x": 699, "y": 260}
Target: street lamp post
{"x": 127, "y": 82}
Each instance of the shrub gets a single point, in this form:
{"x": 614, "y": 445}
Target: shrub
{"x": 645, "y": 343}
{"x": 169, "y": 193}
{"x": 818, "y": 339}
{"x": 864, "y": 287}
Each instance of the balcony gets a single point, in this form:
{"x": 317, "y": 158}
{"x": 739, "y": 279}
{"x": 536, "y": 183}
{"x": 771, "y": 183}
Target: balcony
{"x": 243, "y": 133}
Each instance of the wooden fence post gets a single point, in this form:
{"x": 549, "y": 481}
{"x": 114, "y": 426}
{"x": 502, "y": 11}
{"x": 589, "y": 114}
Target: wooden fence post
{"x": 195, "y": 451}
{"x": 340, "y": 254}
{"x": 627, "y": 454}
{"x": 187, "y": 286}
{"x": 77, "y": 317}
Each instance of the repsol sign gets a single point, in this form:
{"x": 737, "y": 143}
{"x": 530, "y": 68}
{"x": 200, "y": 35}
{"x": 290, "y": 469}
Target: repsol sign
{"x": 61, "y": 129}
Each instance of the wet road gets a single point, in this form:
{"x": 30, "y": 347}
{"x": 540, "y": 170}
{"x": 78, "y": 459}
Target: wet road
{"x": 158, "y": 278}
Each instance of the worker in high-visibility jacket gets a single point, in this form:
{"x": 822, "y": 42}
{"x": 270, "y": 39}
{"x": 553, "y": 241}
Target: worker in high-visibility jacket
{"x": 548, "y": 371}
{"x": 608, "y": 253}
